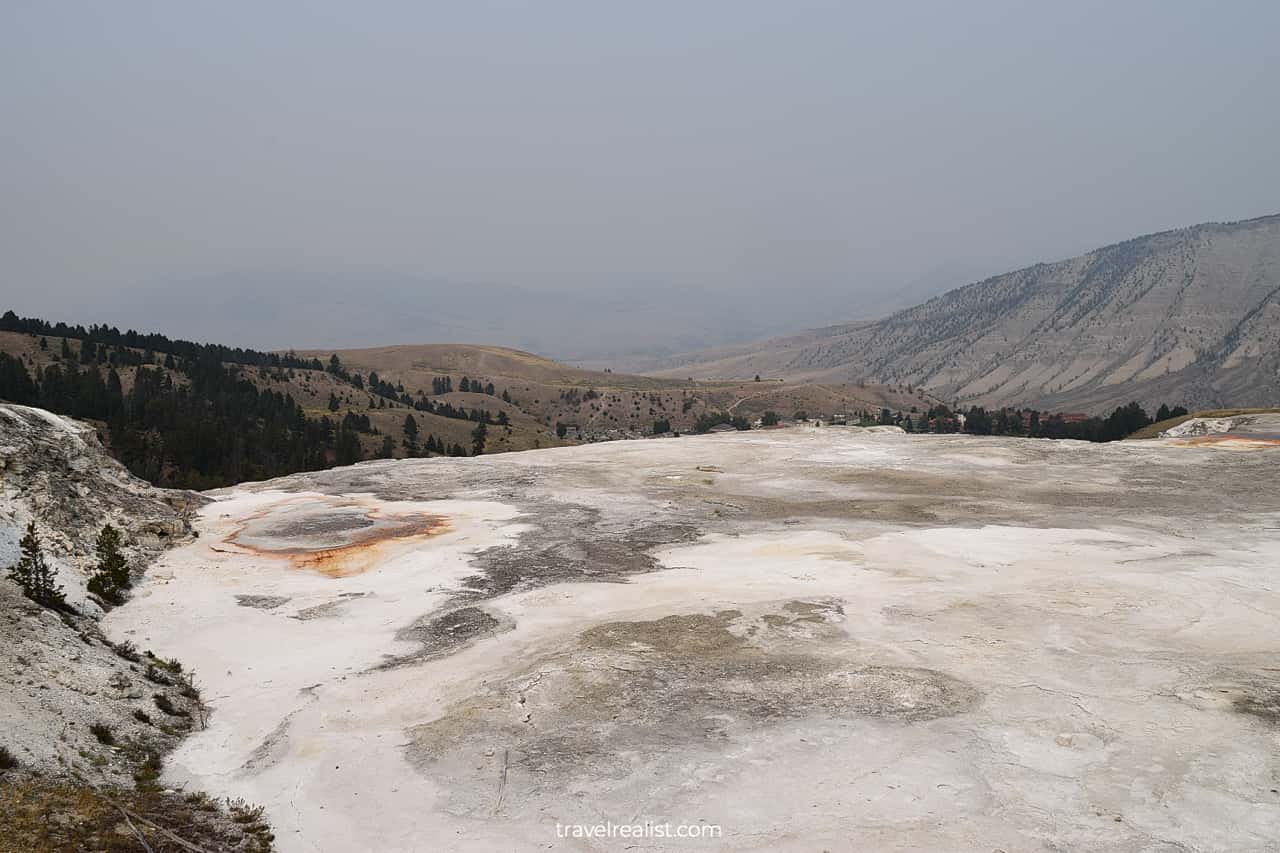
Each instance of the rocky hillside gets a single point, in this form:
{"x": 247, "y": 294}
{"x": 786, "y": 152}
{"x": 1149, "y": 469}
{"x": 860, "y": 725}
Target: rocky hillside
{"x": 53, "y": 470}
{"x": 85, "y": 722}
{"x": 1190, "y": 316}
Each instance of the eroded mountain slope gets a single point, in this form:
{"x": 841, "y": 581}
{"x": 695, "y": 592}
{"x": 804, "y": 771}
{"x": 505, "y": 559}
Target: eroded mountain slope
{"x": 1191, "y": 316}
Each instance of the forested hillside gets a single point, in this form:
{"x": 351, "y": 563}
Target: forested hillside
{"x": 198, "y": 416}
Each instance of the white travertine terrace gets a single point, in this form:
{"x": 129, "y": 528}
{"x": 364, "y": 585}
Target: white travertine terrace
{"x": 817, "y": 639}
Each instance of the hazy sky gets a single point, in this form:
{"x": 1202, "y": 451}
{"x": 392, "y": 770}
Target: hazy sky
{"x": 825, "y": 154}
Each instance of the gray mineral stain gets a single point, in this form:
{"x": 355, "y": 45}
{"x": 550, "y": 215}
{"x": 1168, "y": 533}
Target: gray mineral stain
{"x": 626, "y": 691}
{"x": 443, "y": 635}
{"x": 569, "y": 543}
{"x": 262, "y": 602}
{"x": 1261, "y": 701}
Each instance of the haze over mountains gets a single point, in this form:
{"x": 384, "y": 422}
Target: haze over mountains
{"x": 278, "y": 310}
{"x": 1191, "y": 315}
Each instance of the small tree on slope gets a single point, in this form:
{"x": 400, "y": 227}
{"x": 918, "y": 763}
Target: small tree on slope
{"x": 34, "y": 574}
{"x": 111, "y": 575}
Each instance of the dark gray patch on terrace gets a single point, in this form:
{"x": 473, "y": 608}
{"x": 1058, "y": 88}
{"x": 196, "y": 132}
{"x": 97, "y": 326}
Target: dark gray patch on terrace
{"x": 569, "y": 543}
{"x": 262, "y": 602}
{"x": 443, "y": 635}
{"x": 627, "y": 693}
{"x": 1253, "y": 694}
{"x": 325, "y": 610}
{"x": 1261, "y": 701}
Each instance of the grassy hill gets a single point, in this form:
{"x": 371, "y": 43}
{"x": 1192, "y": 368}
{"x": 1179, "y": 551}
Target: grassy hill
{"x": 194, "y": 415}
{"x": 597, "y": 402}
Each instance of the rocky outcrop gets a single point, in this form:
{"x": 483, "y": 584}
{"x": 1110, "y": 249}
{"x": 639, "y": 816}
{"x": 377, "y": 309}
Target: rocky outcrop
{"x": 73, "y": 705}
{"x": 55, "y": 471}
{"x": 84, "y": 722}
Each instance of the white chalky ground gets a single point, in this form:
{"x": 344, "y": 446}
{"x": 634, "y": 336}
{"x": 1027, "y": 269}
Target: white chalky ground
{"x": 816, "y": 639}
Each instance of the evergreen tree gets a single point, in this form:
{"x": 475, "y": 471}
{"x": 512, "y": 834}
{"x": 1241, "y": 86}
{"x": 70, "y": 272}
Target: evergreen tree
{"x": 978, "y": 421}
{"x": 347, "y": 451}
{"x": 15, "y": 382}
{"x": 34, "y": 574}
{"x": 410, "y": 435}
{"x": 478, "y": 436}
{"x": 111, "y": 574}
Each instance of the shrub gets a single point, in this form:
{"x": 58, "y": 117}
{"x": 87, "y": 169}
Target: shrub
{"x": 142, "y": 716}
{"x": 155, "y": 676}
{"x": 172, "y": 664}
{"x": 244, "y": 812}
{"x": 164, "y": 703}
{"x": 148, "y": 772}
{"x": 103, "y": 733}
{"x": 8, "y": 761}
{"x": 201, "y": 800}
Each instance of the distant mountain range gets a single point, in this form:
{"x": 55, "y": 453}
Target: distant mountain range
{"x": 1188, "y": 316}
{"x": 605, "y": 327}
